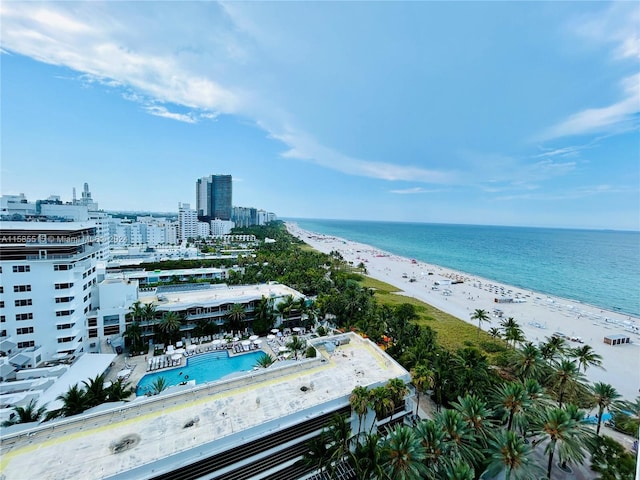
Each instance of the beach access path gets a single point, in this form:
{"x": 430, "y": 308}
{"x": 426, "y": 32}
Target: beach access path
{"x": 538, "y": 314}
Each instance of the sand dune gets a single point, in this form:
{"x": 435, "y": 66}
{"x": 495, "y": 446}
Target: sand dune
{"x": 539, "y": 315}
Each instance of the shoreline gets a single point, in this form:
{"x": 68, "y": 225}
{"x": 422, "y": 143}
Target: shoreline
{"x": 539, "y": 314}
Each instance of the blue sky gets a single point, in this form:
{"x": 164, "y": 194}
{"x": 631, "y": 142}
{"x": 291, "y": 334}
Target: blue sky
{"x": 500, "y": 113}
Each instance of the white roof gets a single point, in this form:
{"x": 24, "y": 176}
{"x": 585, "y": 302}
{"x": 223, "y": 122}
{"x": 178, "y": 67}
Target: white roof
{"x": 87, "y": 366}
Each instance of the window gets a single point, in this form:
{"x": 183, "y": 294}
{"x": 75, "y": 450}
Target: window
{"x": 64, "y": 313}
{"x": 93, "y": 332}
{"x": 21, "y": 288}
{"x": 58, "y": 268}
{"x": 61, "y": 286}
{"x": 111, "y": 320}
{"x": 1, "y": 303}
{"x": 63, "y": 299}
{"x": 1, "y": 289}
{"x": 21, "y": 268}
{"x": 24, "y": 330}
{"x": 64, "y": 326}
{"x": 113, "y": 330}
{"x": 92, "y": 322}
{"x": 24, "y": 316}
{"x": 23, "y": 302}
{"x": 65, "y": 339}
{"x": 30, "y": 343}
{"x": 3, "y": 333}
{"x": 3, "y": 319}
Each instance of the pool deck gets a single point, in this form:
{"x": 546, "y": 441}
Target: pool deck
{"x": 249, "y": 405}
{"x": 138, "y": 363}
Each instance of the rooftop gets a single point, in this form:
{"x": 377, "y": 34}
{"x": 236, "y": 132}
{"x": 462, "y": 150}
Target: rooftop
{"x": 178, "y": 428}
{"x": 216, "y": 295}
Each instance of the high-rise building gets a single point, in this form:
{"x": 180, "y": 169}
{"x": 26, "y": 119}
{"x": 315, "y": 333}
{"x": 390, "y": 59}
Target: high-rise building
{"x": 214, "y": 197}
{"x": 187, "y": 222}
{"x": 48, "y": 273}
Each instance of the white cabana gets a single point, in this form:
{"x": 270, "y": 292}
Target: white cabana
{"x": 191, "y": 347}
{"x": 245, "y": 345}
{"x": 217, "y": 342}
{"x": 283, "y": 349}
{"x": 274, "y": 330}
{"x": 124, "y": 373}
{"x": 271, "y": 337}
{"x": 296, "y": 329}
{"x": 176, "y": 356}
{"x": 257, "y": 342}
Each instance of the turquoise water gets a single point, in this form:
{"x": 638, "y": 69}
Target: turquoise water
{"x": 206, "y": 367}
{"x": 596, "y": 267}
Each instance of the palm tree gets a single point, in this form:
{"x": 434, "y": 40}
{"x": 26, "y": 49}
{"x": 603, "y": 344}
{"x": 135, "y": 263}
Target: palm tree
{"x": 337, "y": 436}
{"x": 495, "y": 332}
{"x": 604, "y": 395}
{"x": 296, "y": 344}
{"x": 510, "y": 454}
{"x": 149, "y": 312}
{"x": 95, "y": 390}
{"x": 481, "y": 316}
{"x": 119, "y": 391}
{"x": 381, "y": 403}
{"x": 366, "y": 457}
{"x": 264, "y": 361}
{"x": 316, "y": 456}
{"x": 359, "y": 401}
{"x": 476, "y": 415}
{"x": 136, "y": 311}
{"x": 566, "y": 378}
{"x": 134, "y": 334}
{"x": 432, "y": 438}
{"x": 554, "y": 347}
{"x": 75, "y": 401}
{"x": 159, "y": 384}
{"x": 512, "y": 331}
{"x": 284, "y": 307}
{"x": 559, "y": 428}
{"x": 26, "y": 414}
{"x": 458, "y": 470}
{"x": 421, "y": 378}
{"x": 397, "y": 390}
{"x": 511, "y": 402}
{"x": 236, "y": 316}
{"x": 458, "y": 437}
{"x": 263, "y": 318}
{"x": 586, "y": 357}
{"x": 403, "y": 455}
{"x": 529, "y": 363}
{"x": 169, "y": 324}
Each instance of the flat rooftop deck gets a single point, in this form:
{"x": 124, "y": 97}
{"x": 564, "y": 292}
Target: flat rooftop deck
{"x": 248, "y": 405}
{"x": 216, "y": 295}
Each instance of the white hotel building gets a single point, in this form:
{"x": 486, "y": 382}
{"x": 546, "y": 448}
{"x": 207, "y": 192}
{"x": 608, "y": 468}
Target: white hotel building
{"x": 48, "y": 271}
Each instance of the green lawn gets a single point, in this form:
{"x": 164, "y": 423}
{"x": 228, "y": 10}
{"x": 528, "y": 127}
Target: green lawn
{"x": 453, "y": 333}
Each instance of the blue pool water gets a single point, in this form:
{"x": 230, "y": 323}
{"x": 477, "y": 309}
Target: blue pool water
{"x": 207, "y": 367}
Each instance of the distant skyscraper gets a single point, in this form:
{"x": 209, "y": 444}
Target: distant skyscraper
{"x": 214, "y": 197}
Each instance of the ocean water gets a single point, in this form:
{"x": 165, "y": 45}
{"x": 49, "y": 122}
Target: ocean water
{"x": 595, "y": 267}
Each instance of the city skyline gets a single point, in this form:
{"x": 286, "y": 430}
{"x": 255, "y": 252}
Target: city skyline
{"x": 483, "y": 113}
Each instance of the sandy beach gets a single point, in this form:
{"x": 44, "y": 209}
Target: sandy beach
{"x": 539, "y": 315}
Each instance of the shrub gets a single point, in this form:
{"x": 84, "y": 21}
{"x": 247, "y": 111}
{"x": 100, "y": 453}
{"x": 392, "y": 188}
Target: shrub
{"x": 311, "y": 352}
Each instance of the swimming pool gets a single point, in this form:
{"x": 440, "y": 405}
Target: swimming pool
{"x": 207, "y": 367}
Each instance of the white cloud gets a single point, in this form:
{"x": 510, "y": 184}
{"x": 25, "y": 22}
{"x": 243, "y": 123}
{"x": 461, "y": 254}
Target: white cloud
{"x": 159, "y": 111}
{"x": 570, "y": 194}
{"x": 620, "y": 115}
{"x": 412, "y": 191}
{"x": 617, "y": 28}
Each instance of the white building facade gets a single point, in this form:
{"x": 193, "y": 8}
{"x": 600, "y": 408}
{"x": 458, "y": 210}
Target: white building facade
{"x": 48, "y": 274}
